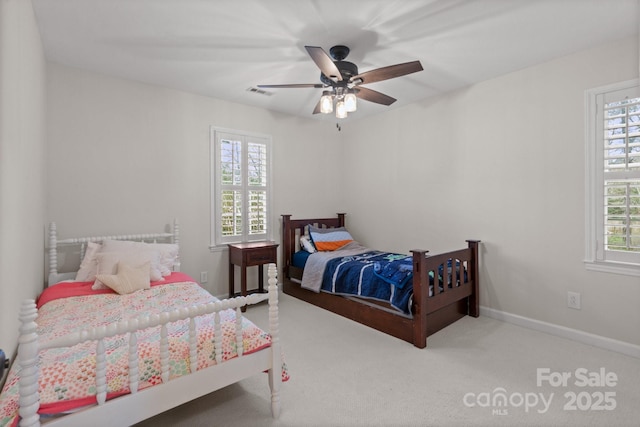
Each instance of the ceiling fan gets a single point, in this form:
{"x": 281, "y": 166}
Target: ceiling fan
{"x": 343, "y": 82}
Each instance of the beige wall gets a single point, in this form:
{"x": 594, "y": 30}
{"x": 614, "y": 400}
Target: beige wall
{"x": 502, "y": 161}
{"x": 22, "y": 164}
{"x": 127, "y": 157}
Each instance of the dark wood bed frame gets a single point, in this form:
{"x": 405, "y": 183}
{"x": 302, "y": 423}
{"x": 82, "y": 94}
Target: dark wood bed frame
{"x": 430, "y": 313}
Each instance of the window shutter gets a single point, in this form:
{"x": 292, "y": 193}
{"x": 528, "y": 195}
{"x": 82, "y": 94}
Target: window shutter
{"x": 240, "y": 186}
{"x": 612, "y": 178}
{"x": 621, "y": 175}
{"x": 257, "y": 188}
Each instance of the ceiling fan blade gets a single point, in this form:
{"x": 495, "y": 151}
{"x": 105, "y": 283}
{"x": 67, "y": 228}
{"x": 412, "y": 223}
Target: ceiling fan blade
{"x": 324, "y": 62}
{"x": 315, "y": 85}
{"x": 374, "y": 96}
{"x": 389, "y": 72}
{"x": 316, "y": 110}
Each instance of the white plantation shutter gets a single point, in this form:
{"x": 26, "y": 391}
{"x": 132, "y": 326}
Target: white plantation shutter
{"x": 241, "y": 186}
{"x": 613, "y": 172}
{"x": 621, "y": 147}
{"x": 257, "y": 188}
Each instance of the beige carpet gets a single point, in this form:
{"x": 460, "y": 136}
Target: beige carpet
{"x": 345, "y": 374}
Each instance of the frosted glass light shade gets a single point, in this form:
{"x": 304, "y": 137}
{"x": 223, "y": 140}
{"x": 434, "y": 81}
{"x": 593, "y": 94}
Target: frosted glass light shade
{"x": 350, "y": 102}
{"x": 341, "y": 110}
{"x": 326, "y": 104}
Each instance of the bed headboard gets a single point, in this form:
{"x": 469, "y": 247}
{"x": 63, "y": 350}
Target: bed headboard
{"x": 292, "y": 229}
{"x": 173, "y": 236}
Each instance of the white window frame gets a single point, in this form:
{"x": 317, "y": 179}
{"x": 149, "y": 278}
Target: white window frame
{"x": 596, "y": 257}
{"x": 217, "y": 134}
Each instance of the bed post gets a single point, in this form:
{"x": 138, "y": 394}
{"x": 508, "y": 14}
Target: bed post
{"x": 420, "y": 295}
{"x": 176, "y": 239}
{"x": 275, "y": 373}
{"x": 287, "y": 250}
{"x": 53, "y": 249}
{"x": 341, "y": 219}
{"x": 474, "y": 298}
{"x": 176, "y": 231}
{"x": 28, "y": 358}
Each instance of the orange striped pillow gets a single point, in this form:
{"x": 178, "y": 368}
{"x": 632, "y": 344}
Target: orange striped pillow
{"x": 329, "y": 239}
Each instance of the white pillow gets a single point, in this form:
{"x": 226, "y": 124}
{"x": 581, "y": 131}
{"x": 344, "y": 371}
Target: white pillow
{"x": 108, "y": 264}
{"x": 307, "y": 245}
{"x": 89, "y": 264}
{"x": 129, "y": 278}
{"x": 168, "y": 252}
{"x": 168, "y": 256}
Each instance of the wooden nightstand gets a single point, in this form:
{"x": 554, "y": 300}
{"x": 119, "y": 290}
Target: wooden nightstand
{"x": 246, "y": 255}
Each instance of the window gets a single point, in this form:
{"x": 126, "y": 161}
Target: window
{"x": 240, "y": 181}
{"x": 613, "y": 178}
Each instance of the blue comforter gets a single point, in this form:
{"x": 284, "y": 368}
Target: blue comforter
{"x": 376, "y": 275}
{"x": 381, "y": 276}
{"x": 359, "y": 271}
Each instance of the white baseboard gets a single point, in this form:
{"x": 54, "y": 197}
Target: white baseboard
{"x": 564, "y": 332}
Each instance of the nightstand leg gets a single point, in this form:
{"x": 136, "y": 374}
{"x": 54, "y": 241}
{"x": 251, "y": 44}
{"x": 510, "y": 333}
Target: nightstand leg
{"x": 231, "y": 280}
{"x": 261, "y": 279}
{"x": 243, "y": 286}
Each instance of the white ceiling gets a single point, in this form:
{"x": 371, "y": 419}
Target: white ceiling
{"x": 222, "y": 48}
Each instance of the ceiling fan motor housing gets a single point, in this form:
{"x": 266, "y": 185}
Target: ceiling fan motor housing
{"x": 347, "y": 70}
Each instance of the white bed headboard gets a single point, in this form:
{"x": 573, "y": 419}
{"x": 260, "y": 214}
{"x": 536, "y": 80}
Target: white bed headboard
{"x": 54, "y": 243}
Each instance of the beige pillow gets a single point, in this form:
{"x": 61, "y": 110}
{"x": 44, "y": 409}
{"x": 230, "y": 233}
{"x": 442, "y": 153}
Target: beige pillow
{"x": 108, "y": 264}
{"x": 129, "y": 278}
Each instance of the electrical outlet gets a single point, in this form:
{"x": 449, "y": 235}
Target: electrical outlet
{"x": 203, "y": 277}
{"x": 573, "y": 300}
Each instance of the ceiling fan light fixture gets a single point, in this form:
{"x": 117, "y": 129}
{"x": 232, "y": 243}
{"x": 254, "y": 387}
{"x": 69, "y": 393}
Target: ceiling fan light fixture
{"x": 350, "y": 102}
{"x": 341, "y": 110}
{"x": 343, "y": 80}
{"x": 326, "y": 102}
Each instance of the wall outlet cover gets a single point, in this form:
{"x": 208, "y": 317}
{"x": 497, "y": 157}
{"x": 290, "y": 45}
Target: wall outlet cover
{"x": 573, "y": 300}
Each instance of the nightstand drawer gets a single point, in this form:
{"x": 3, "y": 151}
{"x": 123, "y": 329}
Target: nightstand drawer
{"x": 261, "y": 256}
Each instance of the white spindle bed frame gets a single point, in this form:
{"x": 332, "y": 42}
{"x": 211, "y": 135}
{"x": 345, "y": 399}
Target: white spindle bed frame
{"x": 142, "y": 404}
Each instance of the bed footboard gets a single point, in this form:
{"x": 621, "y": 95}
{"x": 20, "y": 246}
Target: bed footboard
{"x": 445, "y": 289}
{"x": 226, "y": 372}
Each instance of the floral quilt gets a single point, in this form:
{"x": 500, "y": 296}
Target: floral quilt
{"x": 66, "y": 376}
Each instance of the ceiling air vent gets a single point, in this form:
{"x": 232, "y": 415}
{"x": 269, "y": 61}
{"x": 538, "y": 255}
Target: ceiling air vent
{"x": 259, "y": 91}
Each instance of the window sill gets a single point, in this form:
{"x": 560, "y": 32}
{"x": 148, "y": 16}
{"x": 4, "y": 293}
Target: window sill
{"x": 218, "y": 248}
{"x": 614, "y": 267}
